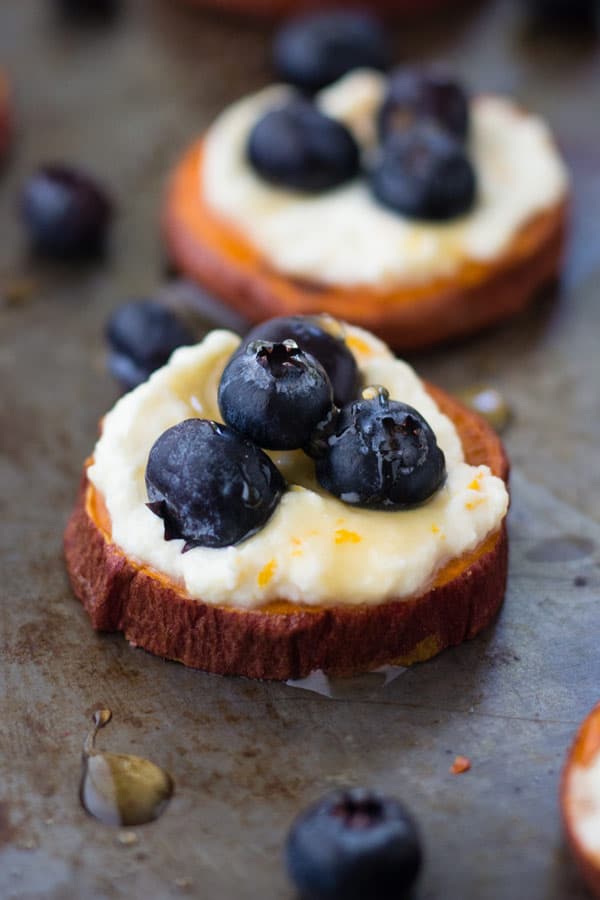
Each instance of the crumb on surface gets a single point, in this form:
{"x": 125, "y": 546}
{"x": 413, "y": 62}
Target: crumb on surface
{"x": 127, "y": 838}
{"x": 461, "y": 764}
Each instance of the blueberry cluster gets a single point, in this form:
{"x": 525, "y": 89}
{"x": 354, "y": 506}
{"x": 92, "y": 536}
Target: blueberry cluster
{"x": 421, "y": 168}
{"x": 212, "y": 484}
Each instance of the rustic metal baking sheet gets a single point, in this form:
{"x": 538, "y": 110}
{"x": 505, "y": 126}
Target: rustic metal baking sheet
{"x": 246, "y": 756}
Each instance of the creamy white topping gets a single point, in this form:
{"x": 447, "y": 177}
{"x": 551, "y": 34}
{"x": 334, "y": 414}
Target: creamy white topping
{"x": 584, "y": 797}
{"x": 314, "y": 549}
{"x": 343, "y": 236}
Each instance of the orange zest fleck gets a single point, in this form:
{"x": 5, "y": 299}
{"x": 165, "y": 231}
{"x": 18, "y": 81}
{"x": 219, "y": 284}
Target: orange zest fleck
{"x": 266, "y": 573}
{"x": 435, "y": 529}
{"x": 461, "y": 764}
{"x": 357, "y": 344}
{"x": 472, "y": 504}
{"x": 475, "y": 484}
{"x": 343, "y": 536}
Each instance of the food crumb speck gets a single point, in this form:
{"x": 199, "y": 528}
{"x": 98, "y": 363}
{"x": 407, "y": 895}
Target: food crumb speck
{"x": 127, "y": 838}
{"x": 461, "y": 764}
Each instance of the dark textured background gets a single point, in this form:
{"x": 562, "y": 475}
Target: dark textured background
{"x": 124, "y": 101}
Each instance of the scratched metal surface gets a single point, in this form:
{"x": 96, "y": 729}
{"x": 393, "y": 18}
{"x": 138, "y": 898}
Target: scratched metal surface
{"x": 245, "y": 757}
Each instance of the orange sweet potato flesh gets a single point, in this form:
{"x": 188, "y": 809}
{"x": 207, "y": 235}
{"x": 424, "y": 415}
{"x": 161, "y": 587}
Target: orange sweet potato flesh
{"x": 584, "y": 752}
{"x": 285, "y": 640}
{"x": 213, "y": 252}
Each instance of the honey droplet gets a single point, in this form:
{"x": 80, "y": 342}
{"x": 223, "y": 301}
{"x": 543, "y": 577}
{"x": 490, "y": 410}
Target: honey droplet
{"x": 490, "y": 404}
{"x": 119, "y": 788}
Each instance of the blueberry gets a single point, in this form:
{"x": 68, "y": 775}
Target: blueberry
{"x": 353, "y": 845}
{"x": 298, "y": 147}
{"x": 322, "y": 338}
{"x": 424, "y": 173}
{"x": 97, "y": 10}
{"x": 416, "y": 94}
{"x": 565, "y": 12}
{"x": 66, "y": 212}
{"x": 211, "y": 487}
{"x": 315, "y": 49}
{"x": 274, "y": 394}
{"x": 141, "y": 336}
{"x": 382, "y": 454}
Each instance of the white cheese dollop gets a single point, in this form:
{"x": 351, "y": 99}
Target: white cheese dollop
{"x": 343, "y": 236}
{"x": 314, "y": 549}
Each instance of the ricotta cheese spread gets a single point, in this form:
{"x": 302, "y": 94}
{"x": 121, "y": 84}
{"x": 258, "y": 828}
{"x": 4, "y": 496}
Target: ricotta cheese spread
{"x": 343, "y": 236}
{"x": 584, "y": 790}
{"x": 314, "y": 549}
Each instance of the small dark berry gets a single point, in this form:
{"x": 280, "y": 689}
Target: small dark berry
{"x": 211, "y": 487}
{"x": 66, "y": 212}
{"x": 424, "y": 173}
{"x": 298, "y": 147}
{"x": 354, "y": 845}
{"x": 416, "y": 94}
{"x": 315, "y": 49}
{"x": 322, "y": 338}
{"x": 572, "y": 13}
{"x": 141, "y": 336}
{"x": 274, "y": 394}
{"x": 89, "y": 10}
{"x": 381, "y": 455}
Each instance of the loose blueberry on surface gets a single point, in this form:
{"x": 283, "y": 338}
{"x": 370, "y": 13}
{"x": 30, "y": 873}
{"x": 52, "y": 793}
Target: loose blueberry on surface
{"x": 141, "y": 336}
{"x": 66, "y": 212}
{"x": 211, "y": 487}
{"x": 312, "y": 336}
{"x": 565, "y": 12}
{"x": 274, "y": 394}
{"x": 424, "y": 173}
{"x": 298, "y": 147}
{"x": 353, "y": 845}
{"x": 88, "y": 9}
{"x": 315, "y": 49}
{"x": 382, "y": 454}
{"x": 416, "y": 94}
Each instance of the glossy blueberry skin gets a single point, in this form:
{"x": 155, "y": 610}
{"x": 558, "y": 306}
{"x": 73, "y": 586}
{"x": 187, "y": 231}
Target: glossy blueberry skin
{"x": 382, "y": 454}
{"x": 353, "y": 845}
{"x": 295, "y": 146}
{"x": 313, "y": 50}
{"x": 424, "y": 173}
{"x": 565, "y": 12}
{"x": 141, "y": 336}
{"x": 415, "y": 94}
{"x": 211, "y": 487}
{"x": 66, "y": 212}
{"x": 312, "y": 336}
{"x": 274, "y": 394}
{"x": 93, "y": 10}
